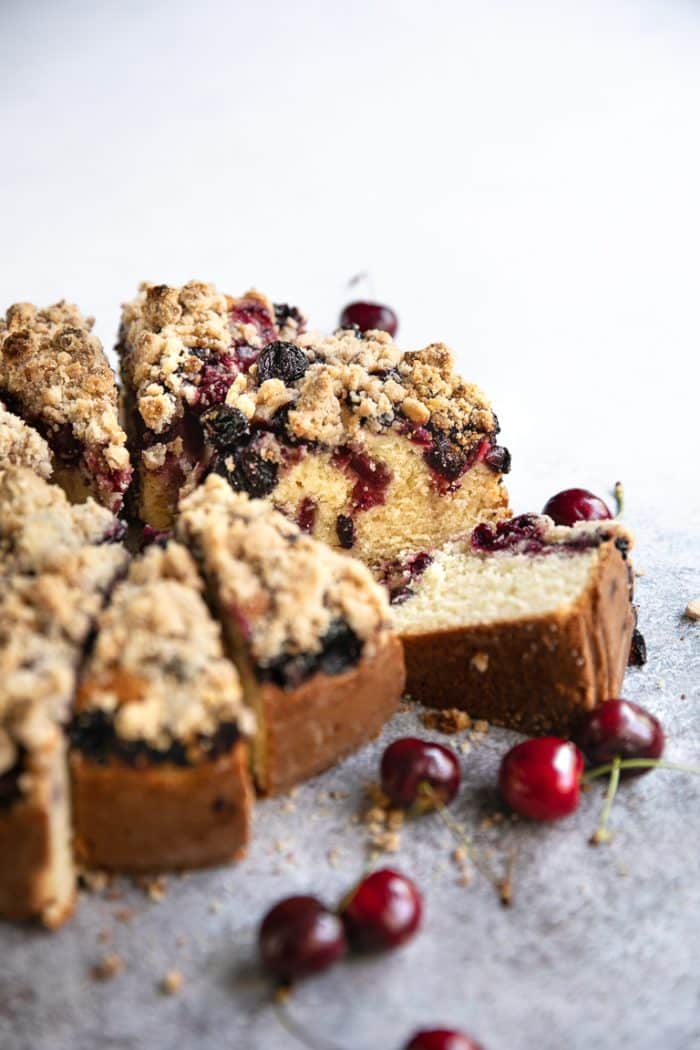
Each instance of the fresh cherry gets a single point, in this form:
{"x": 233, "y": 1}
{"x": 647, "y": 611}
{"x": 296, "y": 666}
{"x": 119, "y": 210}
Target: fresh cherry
{"x": 298, "y": 937}
{"x": 619, "y": 728}
{"x": 541, "y": 778}
{"x": 383, "y": 911}
{"x": 419, "y": 772}
{"x": 369, "y": 316}
{"x": 572, "y": 505}
{"x": 442, "y": 1039}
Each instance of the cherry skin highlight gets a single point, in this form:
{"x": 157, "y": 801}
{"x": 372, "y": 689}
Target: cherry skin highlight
{"x": 572, "y": 505}
{"x": 369, "y": 316}
{"x": 419, "y": 772}
{"x": 541, "y": 778}
{"x": 619, "y": 728}
{"x": 383, "y": 911}
{"x": 299, "y": 937}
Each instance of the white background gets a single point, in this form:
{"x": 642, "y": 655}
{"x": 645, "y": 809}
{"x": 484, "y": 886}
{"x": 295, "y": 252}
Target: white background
{"x": 521, "y": 179}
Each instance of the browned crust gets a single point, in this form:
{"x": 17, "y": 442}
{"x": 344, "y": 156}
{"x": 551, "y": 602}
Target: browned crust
{"x": 162, "y": 817}
{"x": 312, "y": 727}
{"x": 538, "y": 674}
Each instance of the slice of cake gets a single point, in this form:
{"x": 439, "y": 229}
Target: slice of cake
{"x": 54, "y": 374}
{"x": 367, "y": 448}
{"x": 308, "y": 628}
{"x": 159, "y": 763}
{"x": 22, "y": 446}
{"x": 45, "y": 620}
{"x": 180, "y": 351}
{"x": 523, "y": 623}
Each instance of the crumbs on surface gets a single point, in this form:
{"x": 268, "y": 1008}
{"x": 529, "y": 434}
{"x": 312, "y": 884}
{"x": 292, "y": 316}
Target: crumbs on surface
{"x": 172, "y": 982}
{"x": 108, "y": 967}
{"x": 449, "y": 720}
{"x": 692, "y": 609}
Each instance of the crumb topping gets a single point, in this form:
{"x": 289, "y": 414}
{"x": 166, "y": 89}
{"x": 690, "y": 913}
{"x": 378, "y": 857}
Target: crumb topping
{"x": 38, "y": 525}
{"x": 158, "y": 666}
{"x": 171, "y": 336}
{"x": 282, "y": 588}
{"x": 352, "y": 382}
{"x": 22, "y": 446}
{"x": 54, "y": 370}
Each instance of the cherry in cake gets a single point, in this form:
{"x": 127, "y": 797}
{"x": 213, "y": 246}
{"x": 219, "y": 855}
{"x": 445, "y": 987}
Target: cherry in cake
{"x": 308, "y": 628}
{"x": 300, "y": 937}
{"x": 383, "y": 911}
{"x": 158, "y": 750}
{"x": 181, "y": 350}
{"x": 50, "y": 596}
{"x": 55, "y": 376}
{"x": 524, "y": 623}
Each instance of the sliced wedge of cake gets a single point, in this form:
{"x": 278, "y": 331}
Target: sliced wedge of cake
{"x": 55, "y": 375}
{"x": 523, "y": 623}
{"x": 159, "y": 762}
{"x": 22, "y": 446}
{"x": 180, "y": 351}
{"x": 309, "y": 629}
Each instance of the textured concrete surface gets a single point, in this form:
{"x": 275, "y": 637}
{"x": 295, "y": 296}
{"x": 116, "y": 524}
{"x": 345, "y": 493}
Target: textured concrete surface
{"x": 600, "y": 947}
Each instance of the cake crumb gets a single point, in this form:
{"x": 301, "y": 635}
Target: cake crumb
{"x": 692, "y": 609}
{"x": 449, "y": 721}
{"x": 107, "y": 968}
{"x": 333, "y": 856}
{"x": 481, "y": 727}
{"x": 480, "y": 662}
{"x": 156, "y": 888}
{"x": 124, "y": 915}
{"x": 172, "y": 983}
{"x": 93, "y": 881}
{"x": 104, "y": 936}
{"x": 288, "y": 806}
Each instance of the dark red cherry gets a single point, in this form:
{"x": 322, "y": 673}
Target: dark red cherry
{"x": 298, "y": 937}
{"x": 442, "y": 1039}
{"x": 541, "y": 778}
{"x": 572, "y": 505}
{"x": 619, "y": 728}
{"x": 369, "y": 316}
{"x": 383, "y": 911}
{"x": 410, "y": 766}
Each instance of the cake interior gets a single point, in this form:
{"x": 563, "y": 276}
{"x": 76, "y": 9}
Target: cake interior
{"x": 460, "y": 588}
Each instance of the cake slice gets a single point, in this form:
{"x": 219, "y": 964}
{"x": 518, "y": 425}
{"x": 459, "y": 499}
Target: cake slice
{"x": 22, "y": 446}
{"x": 309, "y": 630}
{"x": 54, "y": 374}
{"x": 367, "y": 448}
{"x": 159, "y": 763}
{"x": 45, "y": 621}
{"x": 180, "y": 351}
{"x": 523, "y": 623}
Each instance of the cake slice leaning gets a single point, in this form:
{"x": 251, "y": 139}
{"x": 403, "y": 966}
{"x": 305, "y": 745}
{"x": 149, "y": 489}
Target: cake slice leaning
{"x": 309, "y": 630}
{"x": 159, "y": 759}
{"x": 54, "y": 374}
{"x": 523, "y": 623}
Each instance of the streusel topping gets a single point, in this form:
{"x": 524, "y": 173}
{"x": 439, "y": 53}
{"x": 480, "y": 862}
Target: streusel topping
{"x": 170, "y": 336}
{"x": 351, "y": 382}
{"x": 38, "y": 525}
{"x": 54, "y": 370}
{"x": 158, "y": 666}
{"x": 22, "y": 446}
{"x": 282, "y": 588}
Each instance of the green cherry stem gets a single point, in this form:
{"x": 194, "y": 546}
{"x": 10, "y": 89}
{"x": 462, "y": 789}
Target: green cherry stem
{"x": 637, "y": 763}
{"x": 601, "y": 833}
{"x": 619, "y": 495}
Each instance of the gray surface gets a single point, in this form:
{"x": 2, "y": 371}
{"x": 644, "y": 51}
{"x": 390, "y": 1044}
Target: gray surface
{"x": 599, "y": 949}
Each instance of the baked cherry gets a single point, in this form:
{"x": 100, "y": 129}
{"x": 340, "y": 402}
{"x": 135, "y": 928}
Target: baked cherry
{"x": 442, "y": 1039}
{"x": 298, "y": 937}
{"x": 572, "y": 505}
{"x": 541, "y": 778}
{"x": 419, "y": 772}
{"x": 383, "y": 911}
{"x": 369, "y": 316}
{"x": 619, "y": 728}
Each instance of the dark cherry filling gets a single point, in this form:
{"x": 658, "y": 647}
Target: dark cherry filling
{"x": 447, "y": 462}
{"x": 285, "y": 313}
{"x": 247, "y": 471}
{"x": 251, "y": 312}
{"x": 93, "y": 734}
{"x": 498, "y": 459}
{"x": 284, "y": 361}
{"x": 397, "y": 575}
{"x": 638, "y": 649}
{"x": 340, "y": 650}
{"x": 214, "y": 381}
{"x": 371, "y": 477}
{"x": 225, "y": 427}
{"x": 306, "y": 515}
{"x": 150, "y": 535}
{"x": 522, "y": 535}
{"x": 345, "y": 530}
{"x": 10, "y": 791}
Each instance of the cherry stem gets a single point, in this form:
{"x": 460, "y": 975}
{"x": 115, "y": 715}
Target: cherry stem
{"x": 619, "y": 495}
{"x": 637, "y": 763}
{"x": 601, "y": 833}
{"x": 297, "y": 1030}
